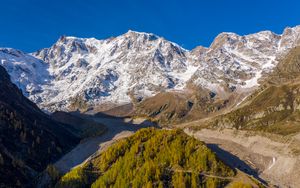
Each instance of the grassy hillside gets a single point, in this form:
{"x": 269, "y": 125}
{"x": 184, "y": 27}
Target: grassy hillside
{"x": 275, "y": 109}
{"x": 288, "y": 69}
{"x": 152, "y": 158}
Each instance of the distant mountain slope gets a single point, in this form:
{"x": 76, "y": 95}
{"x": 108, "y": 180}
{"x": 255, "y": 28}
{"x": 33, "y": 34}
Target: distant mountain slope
{"x": 77, "y": 73}
{"x": 29, "y": 139}
{"x": 91, "y": 71}
{"x": 174, "y": 107}
{"x": 152, "y": 158}
{"x": 275, "y": 107}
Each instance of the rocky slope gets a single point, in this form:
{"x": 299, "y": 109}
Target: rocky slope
{"x": 275, "y": 106}
{"x": 29, "y": 139}
{"x": 77, "y": 73}
{"x": 177, "y": 106}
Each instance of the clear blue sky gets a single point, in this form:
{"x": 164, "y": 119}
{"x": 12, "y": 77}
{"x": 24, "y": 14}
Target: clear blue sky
{"x": 29, "y": 25}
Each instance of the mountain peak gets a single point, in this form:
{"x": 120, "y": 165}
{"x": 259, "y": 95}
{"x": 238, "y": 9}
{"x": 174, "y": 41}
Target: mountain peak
{"x": 224, "y": 37}
{"x": 295, "y": 28}
{"x": 143, "y": 35}
{"x": 138, "y": 32}
{"x": 66, "y": 39}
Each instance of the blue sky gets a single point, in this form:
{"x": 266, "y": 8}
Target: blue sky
{"x": 29, "y": 25}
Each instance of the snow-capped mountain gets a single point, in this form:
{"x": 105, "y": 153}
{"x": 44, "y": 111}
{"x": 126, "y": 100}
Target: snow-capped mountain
{"x": 108, "y": 70}
{"x": 140, "y": 65}
{"x": 239, "y": 61}
{"x": 27, "y": 72}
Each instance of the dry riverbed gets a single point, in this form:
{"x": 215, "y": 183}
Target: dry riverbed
{"x": 271, "y": 160}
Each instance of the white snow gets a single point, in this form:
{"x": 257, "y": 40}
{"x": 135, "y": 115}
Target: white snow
{"x": 253, "y": 81}
{"x": 183, "y": 76}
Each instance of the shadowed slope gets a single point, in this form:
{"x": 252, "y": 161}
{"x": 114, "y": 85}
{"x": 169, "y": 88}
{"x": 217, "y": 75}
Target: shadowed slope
{"x": 29, "y": 139}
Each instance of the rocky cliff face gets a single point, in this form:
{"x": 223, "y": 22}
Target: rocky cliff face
{"x": 81, "y": 73}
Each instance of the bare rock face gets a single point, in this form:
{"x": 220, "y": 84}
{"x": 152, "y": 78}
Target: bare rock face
{"x": 141, "y": 65}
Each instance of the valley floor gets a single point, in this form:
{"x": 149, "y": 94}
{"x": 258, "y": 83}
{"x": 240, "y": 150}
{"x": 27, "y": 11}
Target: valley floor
{"x": 117, "y": 128}
{"x": 275, "y": 161}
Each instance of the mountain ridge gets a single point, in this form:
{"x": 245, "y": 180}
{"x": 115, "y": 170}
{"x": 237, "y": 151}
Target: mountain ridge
{"x": 80, "y": 73}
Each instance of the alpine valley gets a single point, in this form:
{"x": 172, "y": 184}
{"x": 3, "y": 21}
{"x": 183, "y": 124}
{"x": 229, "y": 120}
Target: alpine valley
{"x": 137, "y": 110}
